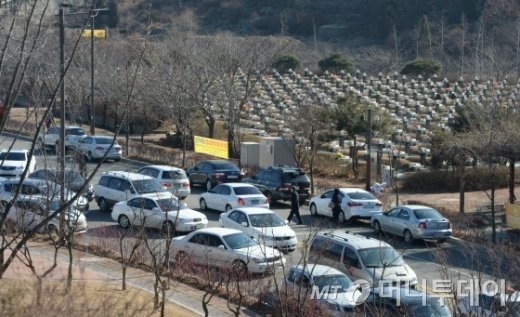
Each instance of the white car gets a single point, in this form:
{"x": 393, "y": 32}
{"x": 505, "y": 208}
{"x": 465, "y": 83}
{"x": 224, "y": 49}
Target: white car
{"x": 96, "y": 146}
{"x": 228, "y": 196}
{"x": 38, "y": 188}
{"x": 159, "y": 210}
{"x": 73, "y": 135}
{"x": 355, "y": 203}
{"x": 225, "y": 248}
{"x": 14, "y": 162}
{"x": 29, "y": 211}
{"x": 173, "y": 178}
{"x": 262, "y": 224}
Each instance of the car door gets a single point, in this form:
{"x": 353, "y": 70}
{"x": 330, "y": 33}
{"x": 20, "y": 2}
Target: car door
{"x": 32, "y": 214}
{"x": 217, "y": 254}
{"x": 134, "y": 211}
{"x": 351, "y": 264}
{"x": 154, "y": 216}
{"x": 247, "y": 229}
{"x": 197, "y": 173}
{"x": 322, "y": 204}
{"x": 232, "y": 220}
{"x": 402, "y": 221}
{"x": 214, "y": 198}
{"x": 85, "y": 145}
{"x": 388, "y": 220}
{"x": 223, "y": 198}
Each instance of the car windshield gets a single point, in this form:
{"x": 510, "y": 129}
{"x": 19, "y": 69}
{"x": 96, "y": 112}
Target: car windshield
{"x": 76, "y": 131}
{"x": 176, "y": 174}
{"x": 10, "y": 156}
{"x": 145, "y": 186}
{"x": 297, "y": 176}
{"x": 104, "y": 141}
{"x": 361, "y": 196}
{"x": 336, "y": 283}
{"x": 239, "y": 241}
{"x": 266, "y": 220}
{"x": 427, "y": 213}
{"x": 380, "y": 257}
{"x": 247, "y": 190}
{"x": 73, "y": 177}
{"x": 170, "y": 204}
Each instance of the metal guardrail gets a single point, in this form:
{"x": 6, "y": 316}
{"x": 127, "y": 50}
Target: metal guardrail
{"x": 485, "y": 213}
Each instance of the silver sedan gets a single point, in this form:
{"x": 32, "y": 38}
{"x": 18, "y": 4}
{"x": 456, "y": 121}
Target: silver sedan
{"x": 413, "y": 222}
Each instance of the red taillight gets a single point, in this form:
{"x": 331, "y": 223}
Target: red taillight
{"x": 422, "y": 225}
{"x": 167, "y": 185}
{"x": 379, "y": 204}
{"x": 266, "y": 200}
{"x": 285, "y": 186}
{"x": 186, "y": 185}
{"x": 241, "y": 201}
{"x": 354, "y": 204}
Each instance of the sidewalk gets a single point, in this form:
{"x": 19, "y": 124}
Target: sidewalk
{"x": 93, "y": 268}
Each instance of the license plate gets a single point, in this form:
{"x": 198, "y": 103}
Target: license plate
{"x": 199, "y": 225}
{"x": 254, "y": 202}
{"x": 368, "y": 206}
{"x": 232, "y": 177}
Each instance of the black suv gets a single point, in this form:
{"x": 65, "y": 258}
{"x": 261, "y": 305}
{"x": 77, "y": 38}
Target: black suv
{"x": 274, "y": 182}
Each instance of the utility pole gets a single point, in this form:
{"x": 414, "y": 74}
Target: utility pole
{"x": 369, "y": 154}
{"x": 93, "y": 14}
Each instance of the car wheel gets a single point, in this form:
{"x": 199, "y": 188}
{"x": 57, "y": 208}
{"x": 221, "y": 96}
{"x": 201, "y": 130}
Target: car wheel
{"x": 239, "y": 267}
{"x": 208, "y": 185}
{"x": 314, "y": 210}
{"x": 90, "y": 158}
{"x": 228, "y": 208}
{"x": 203, "y": 205}
{"x": 408, "y": 238}
{"x": 103, "y": 205}
{"x": 168, "y": 228}
{"x": 123, "y": 221}
{"x": 341, "y": 217}
{"x": 377, "y": 227}
{"x": 53, "y": 232}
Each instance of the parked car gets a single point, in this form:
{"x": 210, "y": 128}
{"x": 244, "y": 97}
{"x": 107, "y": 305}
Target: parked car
{"x": 263, "y": 224}
{"x": 100, "y": 146}
{"x": 413, "y": 222}
{"x": 355, "y": 203}
{"x": 38, "y": 188}
{"x": 51, "y": 138}
{"x": 116, "y": 186}
{"x": 228, "y": 196}
{"x": 29, "y": 211}
{"x": 213, "y": 172}
{"x": 160, "y": 211}
{"x": 225, "y": 248}
{"x": 399, "y": 301}
{"x": 14, "y": 162}
{"x": 274, "y": 182}
{"x": 173, "y": 178}
{"x": 340, "y": 296}
{"x": 73, "y": 180}
{"x": 489, "y": 304}
{"x": 361, "y": 257}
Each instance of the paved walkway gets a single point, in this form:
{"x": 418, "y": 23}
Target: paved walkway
{"x": 88, "y": 267}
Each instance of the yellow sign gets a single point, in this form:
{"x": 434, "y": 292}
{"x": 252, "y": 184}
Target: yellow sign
{"x": 209, "y": 146}
{"x": 513, "y": 215}
{"x": 98, "y": 33}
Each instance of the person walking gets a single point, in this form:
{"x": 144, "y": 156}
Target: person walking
{"x": 336, "y": 205}
{"x": 295, "y": 206}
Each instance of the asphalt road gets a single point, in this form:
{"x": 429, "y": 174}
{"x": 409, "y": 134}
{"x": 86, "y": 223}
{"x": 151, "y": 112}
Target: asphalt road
{"x": 424, "y": 258}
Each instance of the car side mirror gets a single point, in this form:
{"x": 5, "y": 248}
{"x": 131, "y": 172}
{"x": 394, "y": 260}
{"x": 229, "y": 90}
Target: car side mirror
{"x": 286, "y": 221}
{"x": 244, "y": 224}
{"x": 156, "y": 209}
{"x": 221, "y": 246}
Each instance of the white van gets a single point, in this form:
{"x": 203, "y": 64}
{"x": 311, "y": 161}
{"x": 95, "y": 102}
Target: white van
{"x": 361, "y": 258}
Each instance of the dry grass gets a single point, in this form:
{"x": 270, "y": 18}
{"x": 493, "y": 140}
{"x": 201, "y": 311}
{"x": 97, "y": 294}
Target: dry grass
{"x": 85, "y": 299}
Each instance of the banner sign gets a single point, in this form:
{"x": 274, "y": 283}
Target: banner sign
{"x": 513, "y": 215}
{"x": 209, "y": 146}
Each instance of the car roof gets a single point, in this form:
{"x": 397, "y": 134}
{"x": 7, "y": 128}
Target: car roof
{"x": 414, "y": 207}
{"x": 317, "y": 269}
{"x": 352, "y": 190}
{"x": 218, "y": 231}
{"x": 130, "y": 175}
{"x": 255, "y": 210}
{"x": 15, "y": 151}
{"x": 158, "y": 195}
{"x": 162, "y": 167}
{"x": 73, "y": 127}
{"x": 357, "y": 241}
{"x": 237, "y": 184}
{"x": 102, "y": 137}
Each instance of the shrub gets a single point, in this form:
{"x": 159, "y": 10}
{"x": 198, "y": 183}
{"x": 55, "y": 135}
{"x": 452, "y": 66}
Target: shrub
{"x": 421, "y": 66}
{"x": 335, "y": 64}
{"x": 447, "y": 180}
{"x": 286, "y": 62}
